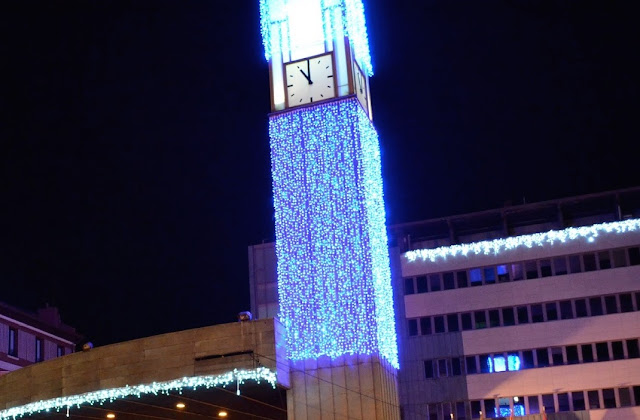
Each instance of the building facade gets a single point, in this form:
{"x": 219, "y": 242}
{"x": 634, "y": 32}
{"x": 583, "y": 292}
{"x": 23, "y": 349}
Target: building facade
{"x": 520, "y": 310}
{"x": 27, "y": 338}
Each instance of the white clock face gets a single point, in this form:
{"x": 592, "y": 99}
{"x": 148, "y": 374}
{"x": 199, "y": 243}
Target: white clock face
{"x": 360, "y": 86}
{"x": 310, "y": 80}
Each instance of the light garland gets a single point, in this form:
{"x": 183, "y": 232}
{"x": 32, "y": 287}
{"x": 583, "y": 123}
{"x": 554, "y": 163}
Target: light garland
{"x": 334, "y": 280}
{"x": 338, "y": 17}
{"x": 109, "y": 395}
{"x": 496, "y": 246}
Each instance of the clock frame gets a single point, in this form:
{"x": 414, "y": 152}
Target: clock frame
{"x": 310, "y": 80}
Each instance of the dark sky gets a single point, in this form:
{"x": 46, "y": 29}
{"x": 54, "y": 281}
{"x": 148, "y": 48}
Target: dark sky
{"x": 134, "y": 155}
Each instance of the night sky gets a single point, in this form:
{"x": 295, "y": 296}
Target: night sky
{"x": 134, "y": 155}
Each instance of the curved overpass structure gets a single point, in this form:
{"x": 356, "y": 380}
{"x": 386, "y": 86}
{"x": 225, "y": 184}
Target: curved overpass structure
{"x": 237, "y": 368}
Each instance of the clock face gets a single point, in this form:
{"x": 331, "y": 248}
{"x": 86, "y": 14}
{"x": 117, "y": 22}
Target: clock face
{"x": 360, "y": 86}
{"x": 310, "y": 80}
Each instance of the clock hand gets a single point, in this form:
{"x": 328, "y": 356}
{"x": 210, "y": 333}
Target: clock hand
{"x": 309, "y": 73}
{"x": 306, "y": 77}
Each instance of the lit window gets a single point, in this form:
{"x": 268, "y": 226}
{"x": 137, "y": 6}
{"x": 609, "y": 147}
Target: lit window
{"x": 503, "y": 273}
{"x": 476, "y": 276}
{"x": 499, "y": 364}
{"x": 513, "y": 362}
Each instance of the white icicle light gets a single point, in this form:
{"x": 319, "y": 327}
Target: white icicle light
{"x": 155, "y": 388}
{"x": 496, "y": 246}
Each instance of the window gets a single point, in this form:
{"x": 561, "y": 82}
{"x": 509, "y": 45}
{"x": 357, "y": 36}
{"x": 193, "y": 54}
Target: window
{"x": 527, "y": 359}
{"x": 466, "y": 321}
{"x": 503, "y": 273}
{"x": 499, "y": 364}
{"x": 566, "y": 311}
{"x": 624, "y": 396}
{"x": 543, "y": 357}
{"x": 610, "y": 304}
{"x": 531, "y": 268}
{"x": 513, "y": 362}
{"x": 433, "y": 411}
{"x": 560, "y": 265}
{"x": 422, "y": 284}
{"x": 413, "y": 327}
{"x": 428, "y": 369}
{"x": 545, "y": 268}
{"x": 408, "y": 286}
{"x": 552, "y": 311}
{"x": 523, "y": 315}
{"x": 594, "y": 400}
{"x": 578, "y": 401}
{"x": 475, "y": 275}
{"x": 574, "y": 264}
{"x": 448, "y": 280}
{"x": 626, "y": 304}
{"x": 536, "y": 313}
{"x": 595, "y": 304}
{"x": 636, "y": 394}
{"x": 589, "y": 261}
{"x": 602, "y": 351}
{"x": 486, "y": 364}
{"x": 39, "y": 350}
{"x": 60, "y": 351}
{"x": 460, "y": 411}
{"x": 604, "y": 260}
{"x": 534, "y": 404}
{"x": 517, "y": 273}
{"x": 572, "y": 355}
{"x": 616, "y": 350}
{"x": 475, "y": 409}
{"x": 494, "y": 318}
{"x": 632, "y": 349}
{"x": 587, "y": 353}
{"x": 609, "y": 398}
{"x": 442, "y": 368}
{"x": 481, "y": 319}
{"x": 563, "y": 402}
{"x": 581, "y": 308}
{"x": 634, "y": 256}
{"x": 507, "y": 317}
{"x": 619, "y": 258}
{"x": 456, "y": 366}
{"x": 556, "y": 356}
{"x": 489, "y": 275}
{"x": 547, "y": 402}
{"x": 425, "y": 326}
{"x": 490, "y": 408}
{"x": 434, "y": 282}
{"x": 462, "y": 279}
{"x": 471, "y": 365}
{"x": 438, "y": 324}
{"x": 13, "y": 342}
{"x": 452, "y": 323}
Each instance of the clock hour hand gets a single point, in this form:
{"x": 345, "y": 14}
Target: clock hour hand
{"x": 306, "y": 77}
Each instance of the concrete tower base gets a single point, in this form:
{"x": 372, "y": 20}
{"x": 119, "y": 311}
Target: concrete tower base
{"x": 344, "y": 388}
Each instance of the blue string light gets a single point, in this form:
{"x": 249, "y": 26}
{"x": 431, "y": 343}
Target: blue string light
{"x": 275, "y": 16}
{"x": 334, "y": 281}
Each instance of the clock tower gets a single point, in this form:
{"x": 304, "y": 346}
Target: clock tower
{"x": 334, "y": 282}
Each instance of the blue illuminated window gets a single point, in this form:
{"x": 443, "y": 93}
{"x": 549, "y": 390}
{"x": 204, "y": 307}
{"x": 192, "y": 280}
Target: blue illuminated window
{"x": 513, "y": 362}
{"x": 476, "y": 276}
{"x": 503, "y": 273}
{"x": 499, "y": 364}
